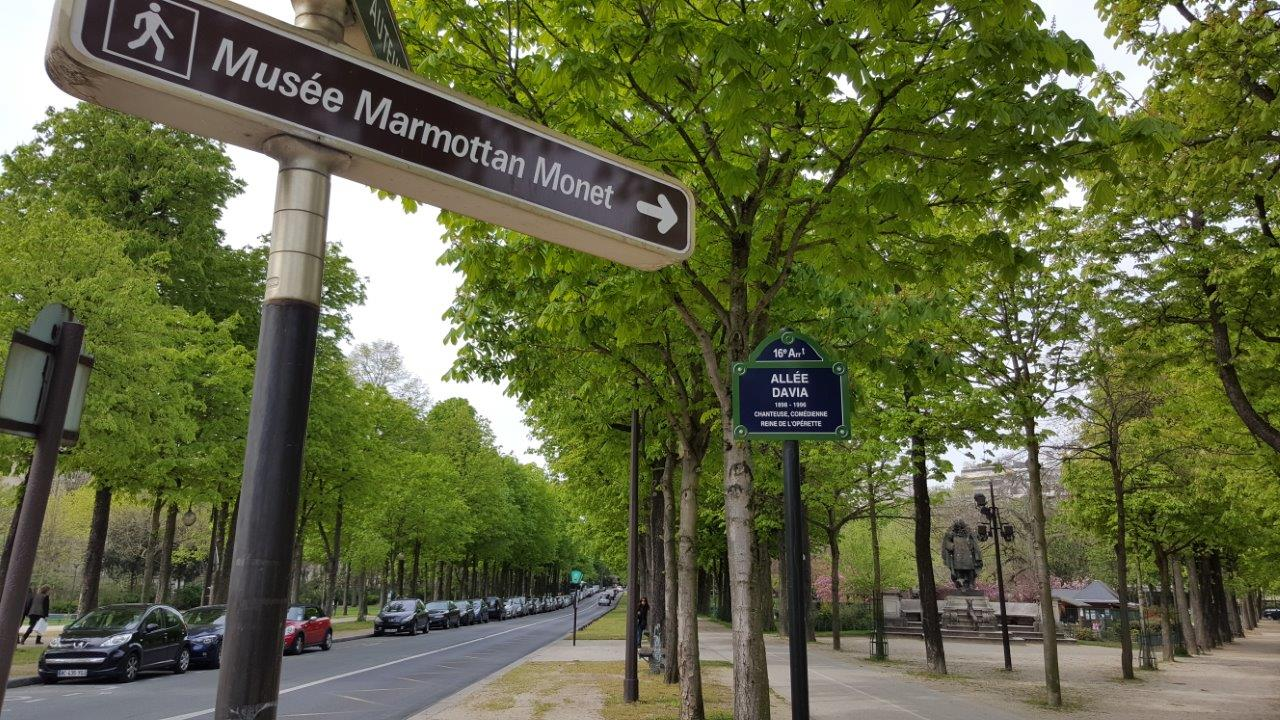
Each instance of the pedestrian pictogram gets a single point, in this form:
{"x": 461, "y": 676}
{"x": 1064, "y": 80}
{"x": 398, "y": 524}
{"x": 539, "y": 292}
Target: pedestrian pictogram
{"x": 151, "y": 24}
{"x": 156, "y": 34}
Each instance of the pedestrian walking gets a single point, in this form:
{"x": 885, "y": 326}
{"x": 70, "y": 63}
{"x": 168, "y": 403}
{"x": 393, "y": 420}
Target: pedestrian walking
{"x": 38, "y": 615}
{"x": 642, "y": 619}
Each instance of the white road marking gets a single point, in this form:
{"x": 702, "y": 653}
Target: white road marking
{"x": 340, "y": 676}
{"x": 348, "y": 697}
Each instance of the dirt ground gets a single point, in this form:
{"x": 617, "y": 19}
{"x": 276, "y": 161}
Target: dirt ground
{"x": 1240, "y": 681}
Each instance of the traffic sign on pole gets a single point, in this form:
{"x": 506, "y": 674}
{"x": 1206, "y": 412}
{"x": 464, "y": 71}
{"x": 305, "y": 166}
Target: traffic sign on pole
{"x": 789, "y": 390}
{"x": 220, "y": 70}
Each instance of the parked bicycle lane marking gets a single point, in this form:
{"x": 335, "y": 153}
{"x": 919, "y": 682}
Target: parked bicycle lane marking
{"x": 313, "y": 683}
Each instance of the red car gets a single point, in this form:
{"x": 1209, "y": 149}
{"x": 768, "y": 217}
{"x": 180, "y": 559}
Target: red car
{"x": 306, "y": 626}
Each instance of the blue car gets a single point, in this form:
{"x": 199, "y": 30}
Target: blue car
{"x": 206, "y": 627}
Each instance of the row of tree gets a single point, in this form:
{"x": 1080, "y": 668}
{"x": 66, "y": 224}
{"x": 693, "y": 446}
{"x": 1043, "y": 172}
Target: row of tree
{"x": 890, "y": 178}
{"x": 117, "y": 218}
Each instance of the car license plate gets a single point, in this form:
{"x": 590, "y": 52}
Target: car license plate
{"x": 72, "y": 673}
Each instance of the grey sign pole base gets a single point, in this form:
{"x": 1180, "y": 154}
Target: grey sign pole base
{"x": 44, "y": 462}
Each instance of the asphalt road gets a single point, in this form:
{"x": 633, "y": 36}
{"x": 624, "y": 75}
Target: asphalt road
{"x": 385, "y": 678}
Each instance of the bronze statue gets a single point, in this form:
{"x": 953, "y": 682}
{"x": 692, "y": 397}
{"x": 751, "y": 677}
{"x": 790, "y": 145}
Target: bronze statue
{"x": 960, "y": 553}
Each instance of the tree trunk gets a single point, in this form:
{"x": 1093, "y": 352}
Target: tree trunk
{"x": 670, "y": 572}
{"x": 417, "y": 568}
{"x": 346, "y": 590}
{"x": 1166, "y": 620}
{"x": 657, "y": 561}
{"x": 299, "y": 536}
{"x": 1205, "y": 573}
{"x": 763, "y": 602}
{"x": 724, "y": 603}
{"x": 1233, "y": 613}
{"x": 153, "y": 540}
{"x": 400, "y": 576}
{"x": 223, "y": 581}
{"x": 1189, "y": 641}
{"x": 166, "y": 554}
{"x": 362, "y": 601}
{"x": 335, "y": 564}
{"x": 704, "y": 589}
{"x": 1225, "y": 630}
{"x": 94, "y": 551}
{"x": 20, "y": 493}
{"x": 211, "y": 556}
{"x": 833, "y": 543}
{"x": 935, "y": 656}
{"x": 691, "y": 705}
{"x": 1048, "y": 623}
{"x": 750, "y": 672}
{"x": 1199, "y": 618}
{"x": 1122, "y": 556}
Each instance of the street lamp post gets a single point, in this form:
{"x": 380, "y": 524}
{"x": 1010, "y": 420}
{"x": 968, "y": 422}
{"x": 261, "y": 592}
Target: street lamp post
{"x": 630, "y": 678}
{"x": 992, "y": 513}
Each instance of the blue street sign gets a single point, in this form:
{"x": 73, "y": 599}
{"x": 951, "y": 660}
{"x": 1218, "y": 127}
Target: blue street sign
{"x": 788, "y": 390}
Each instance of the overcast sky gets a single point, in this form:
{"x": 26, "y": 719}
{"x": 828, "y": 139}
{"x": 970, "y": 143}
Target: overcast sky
{"x": 395, "y": 252}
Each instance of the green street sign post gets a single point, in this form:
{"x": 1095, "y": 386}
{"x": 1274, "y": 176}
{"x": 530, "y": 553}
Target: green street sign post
{"x": 575, "y": 579}
{"x": 378, "y": 23}
{"x": 791, "y": 390}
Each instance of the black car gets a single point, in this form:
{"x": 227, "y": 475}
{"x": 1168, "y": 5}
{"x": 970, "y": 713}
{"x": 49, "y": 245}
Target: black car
{"x": 466, "y": 612}
{"x": 206, "y": 626}
{"x": 443, "y": 614}
{"x": 495, "y": 608}
{"x": 118, "y": 642}
{"x": 402, "y": 615}
{"x": 481, "y": 610}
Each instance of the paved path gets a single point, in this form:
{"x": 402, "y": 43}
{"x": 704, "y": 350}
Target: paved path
{"x": 386, "y": 678}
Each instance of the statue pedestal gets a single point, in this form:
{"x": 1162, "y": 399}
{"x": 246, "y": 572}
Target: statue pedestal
{"x": 969, "y": 609}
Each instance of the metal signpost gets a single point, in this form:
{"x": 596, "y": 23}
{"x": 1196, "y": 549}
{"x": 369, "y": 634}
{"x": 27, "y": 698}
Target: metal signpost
{"x": 298, "y": 94}
{"x": 575, "y": 579}
{"x": 43, "y": 395}
{"x": 790, "y": 390}
{"x": 219, "y": 70}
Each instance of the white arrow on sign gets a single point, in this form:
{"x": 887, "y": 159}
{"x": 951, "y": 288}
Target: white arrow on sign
{"x": 663, "y": 212}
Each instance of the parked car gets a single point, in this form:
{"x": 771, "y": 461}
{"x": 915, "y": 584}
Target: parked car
{"x": 534, "y": 604}
{"x": 1273, "y": 613}
{"x": 206, "y": 626}
{"x": 118, "y": 642}
{"x": 514, "y": 607}
{"x": 481, "y": 609}
{"x": 443, "y": 614}
{"x": 605, "y": 599}
{"x": 402, "y": 615}
{"x": 466, "y": 613}
{"x": 495, "y": 608}
{"x": 306, "y": 626}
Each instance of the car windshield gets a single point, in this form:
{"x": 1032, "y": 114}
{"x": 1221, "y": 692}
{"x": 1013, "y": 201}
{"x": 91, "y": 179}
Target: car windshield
{"x": 297, "y": 612}
{"x": 109, "y": 618}
{"x": 206, "y": 616}
{"x": 400, "y": 606}
{"x": 438, "y": 605}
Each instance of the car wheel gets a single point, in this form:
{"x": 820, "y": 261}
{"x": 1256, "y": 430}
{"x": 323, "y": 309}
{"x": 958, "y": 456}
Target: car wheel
{"x": 295, "y": 647}
{"x": 129, "y": 670}
{"x": 182, "y": 662}
{"x": 49, "y": 679}
{"x": 328, "y": 640}
{"x": 377, "y": 633}
{"x": 413, "y": 628}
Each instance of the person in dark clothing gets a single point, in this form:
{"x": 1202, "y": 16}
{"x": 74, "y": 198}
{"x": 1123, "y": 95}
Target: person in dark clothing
{"x": 37, "y": 610}
{"x": 642, "y": 619}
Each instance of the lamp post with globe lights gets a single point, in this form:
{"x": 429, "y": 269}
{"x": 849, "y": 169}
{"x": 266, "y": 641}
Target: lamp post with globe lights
{"x": 996, "y": 530}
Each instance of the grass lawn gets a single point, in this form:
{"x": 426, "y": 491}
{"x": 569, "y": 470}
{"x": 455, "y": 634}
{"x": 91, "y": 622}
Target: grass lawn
{"x": 353, "y": 628}
{"x": 557, "y": 684}
{"x": 24, "y": 660}
{"x": 610, "y": 626}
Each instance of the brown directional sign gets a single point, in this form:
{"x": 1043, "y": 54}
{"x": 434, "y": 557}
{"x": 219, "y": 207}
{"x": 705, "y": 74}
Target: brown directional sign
{"x": 219, "y": 70}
